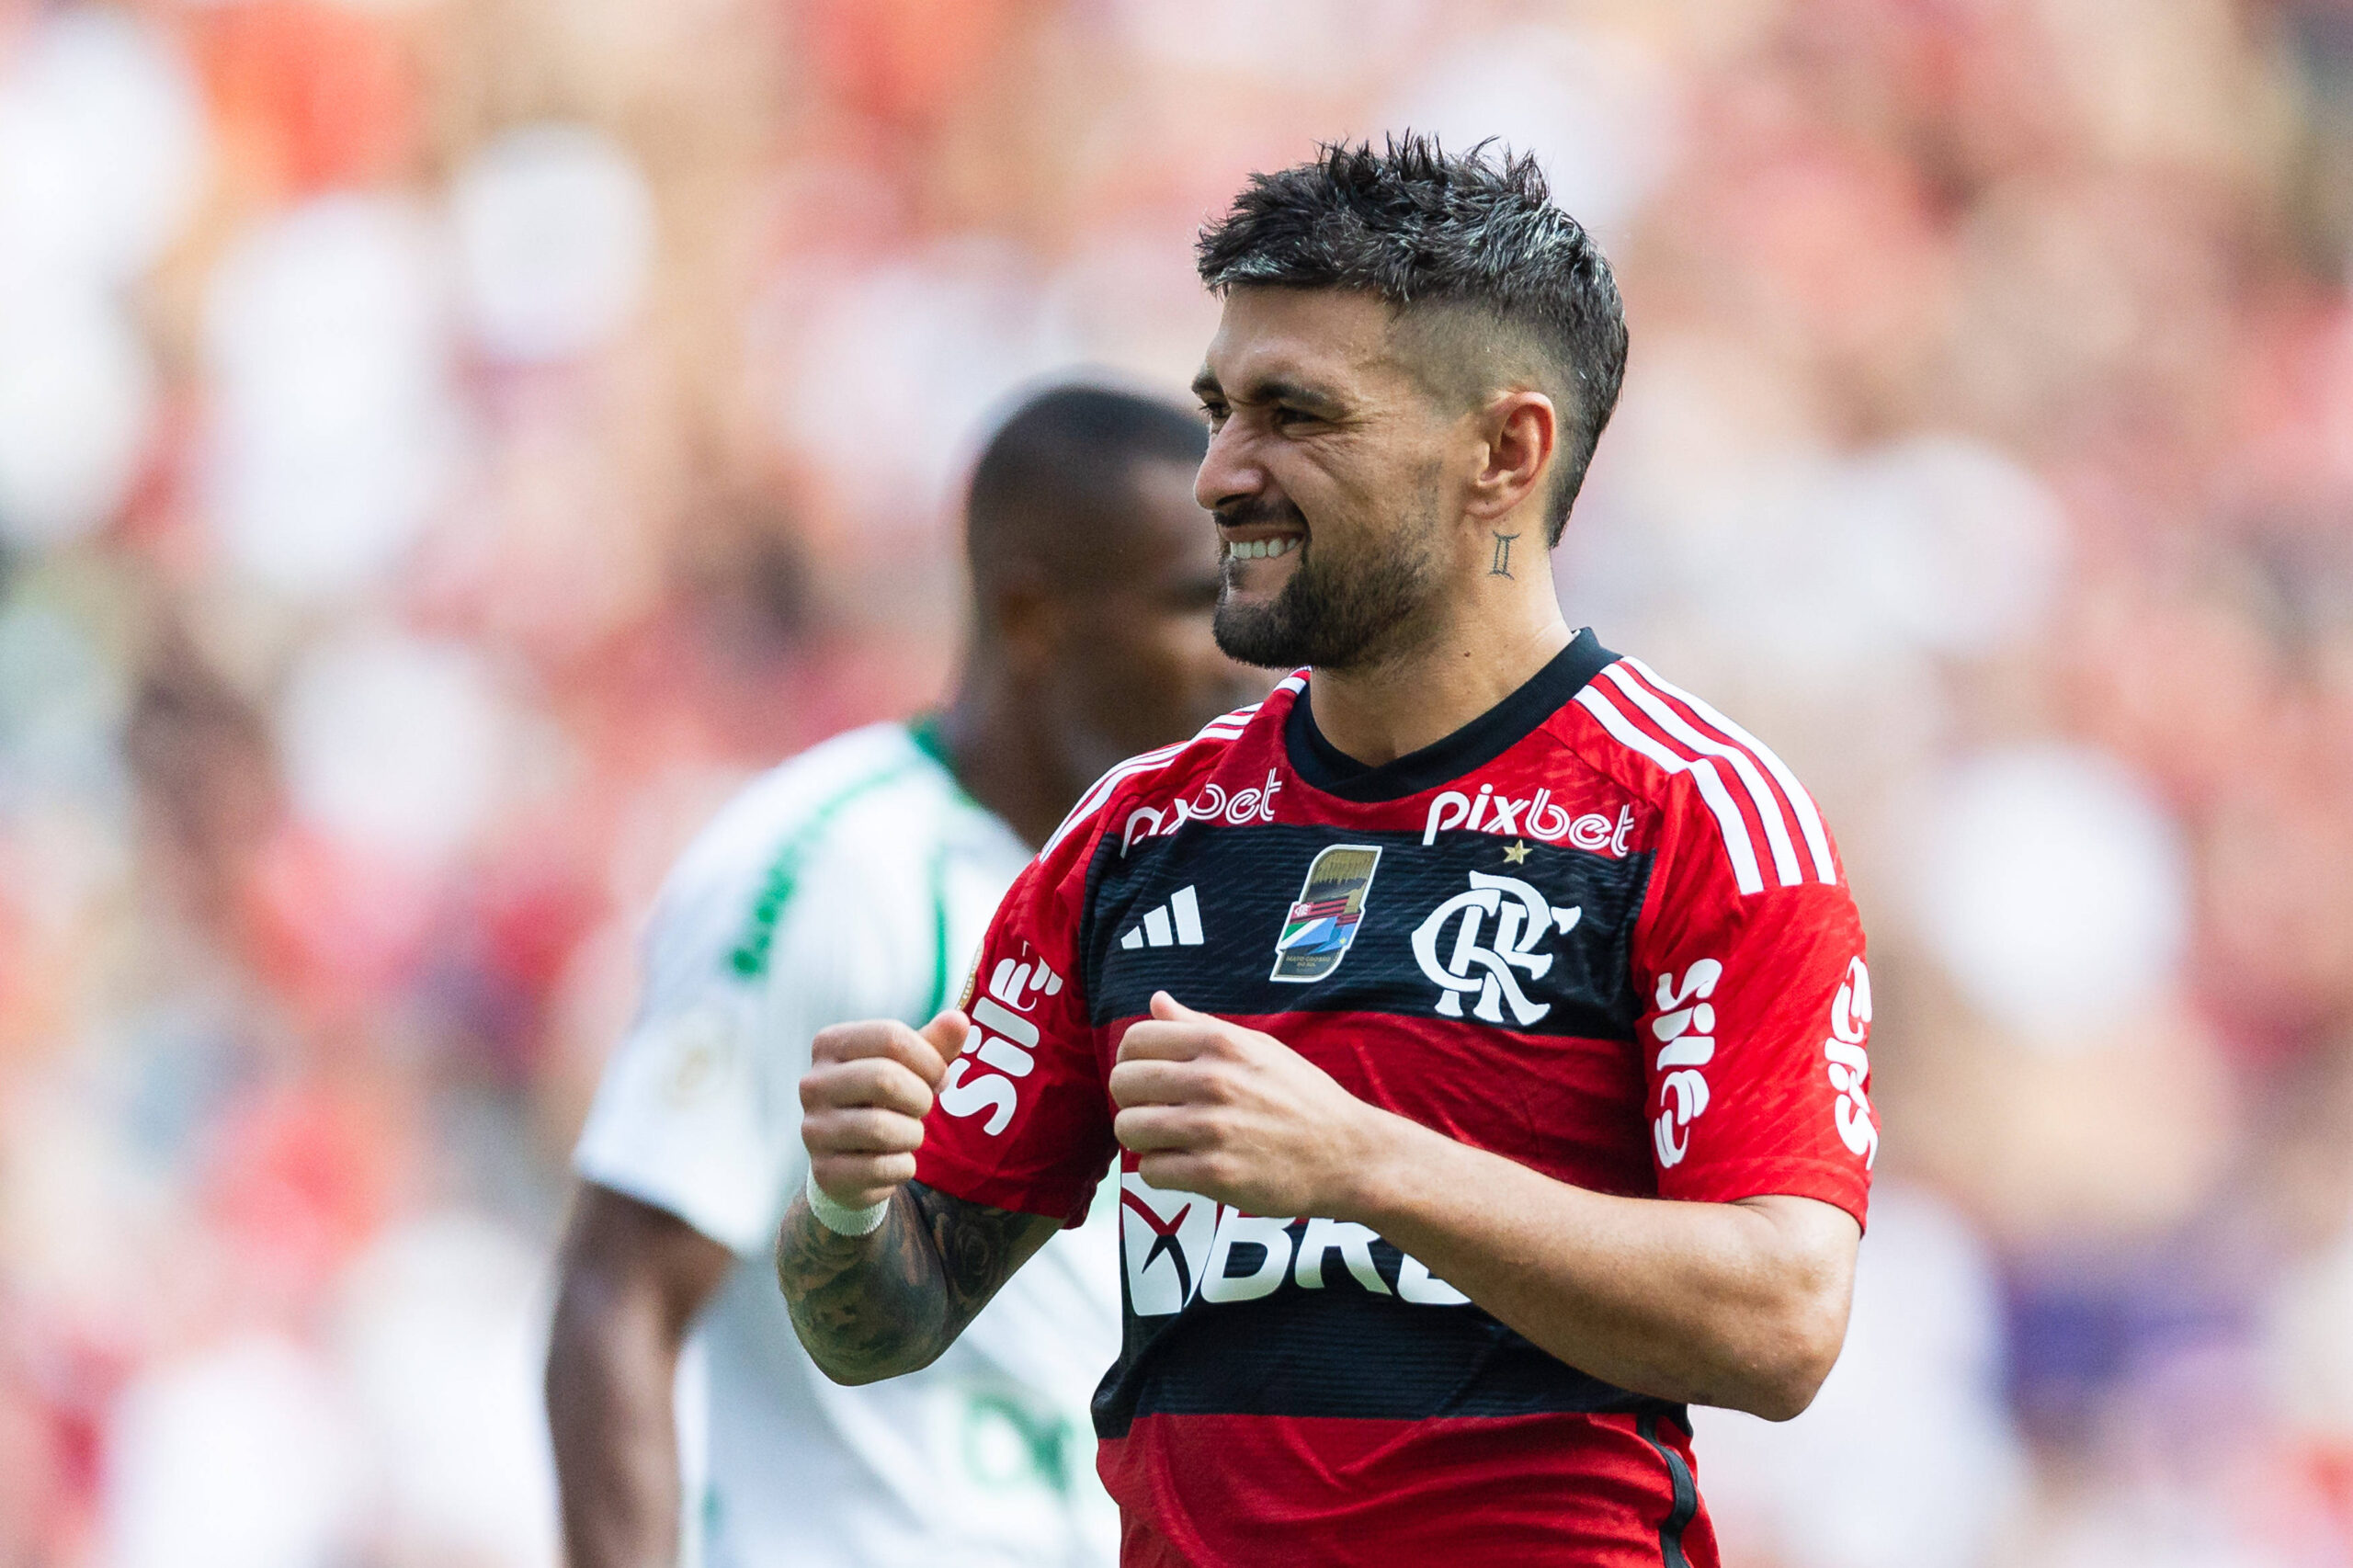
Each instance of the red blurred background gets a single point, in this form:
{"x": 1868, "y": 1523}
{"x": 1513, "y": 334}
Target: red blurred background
{"x": 445, "y": 445}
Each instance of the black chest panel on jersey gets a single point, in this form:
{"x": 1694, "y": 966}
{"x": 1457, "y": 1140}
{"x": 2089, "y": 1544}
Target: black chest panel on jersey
{"x": 1472, "y": 927}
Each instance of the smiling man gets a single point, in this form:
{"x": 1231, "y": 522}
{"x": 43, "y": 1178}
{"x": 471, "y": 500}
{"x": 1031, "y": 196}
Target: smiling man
{"x": 1478, "y": 1024}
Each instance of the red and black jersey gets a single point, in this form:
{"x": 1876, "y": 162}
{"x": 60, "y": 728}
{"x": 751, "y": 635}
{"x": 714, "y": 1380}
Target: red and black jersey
{"x": 1601, "y": 930}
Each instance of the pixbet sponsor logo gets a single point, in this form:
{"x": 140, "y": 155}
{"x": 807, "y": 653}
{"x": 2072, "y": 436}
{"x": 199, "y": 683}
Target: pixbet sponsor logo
{"x": 1523, "y": 918}
{"x": 1538, "y": 816}
{"x": 1849, "y": 1063}
{"x": 1212, "y": 804}
{"x": 1000, "y": 1039}
{"x": 1181, "y": 1248}
{"x": 1685, "y": 1031}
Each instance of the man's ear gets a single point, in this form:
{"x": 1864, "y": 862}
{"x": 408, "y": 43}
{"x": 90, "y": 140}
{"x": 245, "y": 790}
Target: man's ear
{"x": 1028, "y": 621}
{"x": 1521, "y": 431}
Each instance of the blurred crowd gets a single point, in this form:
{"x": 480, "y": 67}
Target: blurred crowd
{"x": 445, "y": 445}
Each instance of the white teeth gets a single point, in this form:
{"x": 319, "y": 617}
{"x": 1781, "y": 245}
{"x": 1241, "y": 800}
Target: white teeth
{"x": 1259, "y": 549}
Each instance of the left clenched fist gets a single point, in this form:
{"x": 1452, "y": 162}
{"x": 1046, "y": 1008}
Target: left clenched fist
{"x": 1238, "y": 1116}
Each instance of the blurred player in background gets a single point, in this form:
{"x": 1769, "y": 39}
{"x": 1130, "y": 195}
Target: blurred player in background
{"x": 1402, "y": 999}
{"x": 853, "y": 883}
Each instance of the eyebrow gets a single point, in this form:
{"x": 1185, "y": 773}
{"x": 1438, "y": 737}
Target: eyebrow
{"x": 1273, "y": 389}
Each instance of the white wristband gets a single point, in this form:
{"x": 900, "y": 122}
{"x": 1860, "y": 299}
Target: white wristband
{"x": 840, "y": 1219}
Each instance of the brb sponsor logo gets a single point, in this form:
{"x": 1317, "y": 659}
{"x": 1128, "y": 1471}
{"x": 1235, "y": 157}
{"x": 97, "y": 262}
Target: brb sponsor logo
{"x": 1212, "y": 804}
{"x": 1538, "y": 816}
{"x": 1522, "y": 918}
{"x": 1000, "y": 1039}
{"x": 1181, "y": 1248}
{"x": 1850, "y": 1063}
{"x": 1685, "y": 1031}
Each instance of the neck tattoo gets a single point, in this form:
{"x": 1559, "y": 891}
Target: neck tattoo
{"x": 1501, "y": 566}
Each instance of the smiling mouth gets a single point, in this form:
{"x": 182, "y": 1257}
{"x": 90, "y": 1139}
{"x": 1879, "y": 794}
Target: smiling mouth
{"x": 1264, "y": 549}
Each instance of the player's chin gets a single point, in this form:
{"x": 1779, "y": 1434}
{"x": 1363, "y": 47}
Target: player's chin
{"x": 1261, "y": 578}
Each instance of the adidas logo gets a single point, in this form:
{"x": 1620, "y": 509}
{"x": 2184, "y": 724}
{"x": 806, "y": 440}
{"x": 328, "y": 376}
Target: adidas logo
{"x": 1176, "y": 923}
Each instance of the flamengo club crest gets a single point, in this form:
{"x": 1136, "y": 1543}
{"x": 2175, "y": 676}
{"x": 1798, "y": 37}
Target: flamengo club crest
{"x": 1523, "y": 919}
{"x": 1321, "y": 926}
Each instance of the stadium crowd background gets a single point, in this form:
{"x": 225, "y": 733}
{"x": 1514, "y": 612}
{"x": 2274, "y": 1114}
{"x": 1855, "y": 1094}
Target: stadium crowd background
{"x": 446, "y": 444}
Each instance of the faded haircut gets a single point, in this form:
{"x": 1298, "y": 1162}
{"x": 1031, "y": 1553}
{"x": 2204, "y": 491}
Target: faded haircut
{"x": 1435, "y": 235}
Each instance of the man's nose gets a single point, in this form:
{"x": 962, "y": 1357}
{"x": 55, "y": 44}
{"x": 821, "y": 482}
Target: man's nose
{"x": 1228, "y": 472}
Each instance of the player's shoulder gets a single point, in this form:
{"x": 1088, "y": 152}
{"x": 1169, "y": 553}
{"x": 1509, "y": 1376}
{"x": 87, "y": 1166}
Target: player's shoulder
{"x": 797, "y": 804}
{"x": 811, "y": 787}
{"x": 1681, "y": 755}
{"x": 1166, "y": 781}
{"x": 826, "y": 828}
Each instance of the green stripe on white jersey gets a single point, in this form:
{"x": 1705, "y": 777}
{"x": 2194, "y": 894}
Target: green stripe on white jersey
{"x": 851, "y": 882}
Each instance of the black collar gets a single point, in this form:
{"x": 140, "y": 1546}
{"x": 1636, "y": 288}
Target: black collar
{"x": 1472, "y": 747}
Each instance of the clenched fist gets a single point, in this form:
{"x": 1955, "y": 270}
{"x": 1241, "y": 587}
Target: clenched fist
{"x": 863, "y": 1100}
{"x": 1235, "y": 1115}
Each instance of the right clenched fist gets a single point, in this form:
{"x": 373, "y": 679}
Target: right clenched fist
{"x": 862, "y": 1104}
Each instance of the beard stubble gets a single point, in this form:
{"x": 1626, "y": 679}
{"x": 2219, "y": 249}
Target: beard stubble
{"x": 1335, "y": 614}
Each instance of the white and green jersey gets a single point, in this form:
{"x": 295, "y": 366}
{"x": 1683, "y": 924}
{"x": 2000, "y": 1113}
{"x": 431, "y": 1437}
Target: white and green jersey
{"x": 852, "y": 882}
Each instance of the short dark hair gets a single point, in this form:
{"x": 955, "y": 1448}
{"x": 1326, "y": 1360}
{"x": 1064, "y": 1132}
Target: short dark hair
{"x": 1418, "y": 225}
{"x": 1059, "y": 468}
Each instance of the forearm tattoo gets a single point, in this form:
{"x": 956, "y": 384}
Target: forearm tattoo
{"x": 888, "y": 1302}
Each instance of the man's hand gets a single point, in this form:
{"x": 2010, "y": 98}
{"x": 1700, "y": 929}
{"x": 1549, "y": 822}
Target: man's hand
{"x": 1238, "y": 1116}
{"x": 887, "y": 1300}
{"x": 863, "y": 1100}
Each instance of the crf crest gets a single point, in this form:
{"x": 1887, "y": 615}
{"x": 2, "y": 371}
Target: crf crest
{"x": 1449, "y": 947}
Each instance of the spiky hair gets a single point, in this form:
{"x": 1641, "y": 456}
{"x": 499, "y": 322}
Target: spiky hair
{"x": 1419, "y": 226}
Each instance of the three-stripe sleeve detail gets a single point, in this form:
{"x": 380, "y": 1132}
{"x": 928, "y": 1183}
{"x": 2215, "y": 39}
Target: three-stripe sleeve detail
{"x": 1729, "y": 821}
{"x": 1769, "y": 806}
{"x": 1681, "y": 733}
{"x": 1817, "y": 840}
{"x": 1225, "y": 727}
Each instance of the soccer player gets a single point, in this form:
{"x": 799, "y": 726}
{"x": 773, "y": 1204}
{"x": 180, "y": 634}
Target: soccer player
{"x": 1478, "y": 1024}
{"x": 854, "y": 882}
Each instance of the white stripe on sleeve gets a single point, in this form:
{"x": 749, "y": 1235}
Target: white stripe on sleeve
{"x": 1817, "y": 842}
{"x": 1768, "y": 809}
{"x": 1224, "y": 727}
{"x": 1092, "y": 801}
{"x": 1737, "y": 844}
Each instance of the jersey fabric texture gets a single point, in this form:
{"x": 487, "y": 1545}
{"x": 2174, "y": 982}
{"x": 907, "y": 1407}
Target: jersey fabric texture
{"x": 852, "y": 882}
{"x": 1600, "y": 931}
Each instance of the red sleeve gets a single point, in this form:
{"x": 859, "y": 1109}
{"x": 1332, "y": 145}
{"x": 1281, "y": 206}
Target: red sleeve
{"x": 1023, "y": 1120}
{"x": 1755, "y": 1013}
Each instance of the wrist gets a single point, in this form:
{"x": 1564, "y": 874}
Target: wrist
{"x": 843, "y": 1219}
{"x": 1377, "y": 1184}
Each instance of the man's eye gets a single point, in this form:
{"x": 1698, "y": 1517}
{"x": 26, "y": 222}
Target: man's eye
{"x": 1283, "y": 417}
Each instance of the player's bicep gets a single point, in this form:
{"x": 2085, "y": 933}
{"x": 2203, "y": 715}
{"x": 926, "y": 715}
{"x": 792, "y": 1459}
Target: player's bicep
{"x": 1754, "y": 1033}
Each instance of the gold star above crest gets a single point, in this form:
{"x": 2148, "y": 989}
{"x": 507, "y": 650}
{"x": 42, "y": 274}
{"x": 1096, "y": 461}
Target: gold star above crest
{"x": 1517, "y": 853}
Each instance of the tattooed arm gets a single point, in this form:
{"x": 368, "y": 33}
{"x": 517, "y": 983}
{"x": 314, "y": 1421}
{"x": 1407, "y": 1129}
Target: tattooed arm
{"x": 878, "y": 1305}
{"x": 889, "y": 1301}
